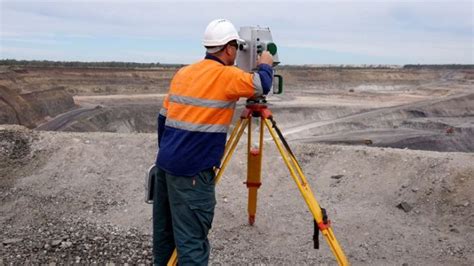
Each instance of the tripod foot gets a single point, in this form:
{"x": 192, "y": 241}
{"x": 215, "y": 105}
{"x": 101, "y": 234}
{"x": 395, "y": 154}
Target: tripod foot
{"x": 251, "y": 219}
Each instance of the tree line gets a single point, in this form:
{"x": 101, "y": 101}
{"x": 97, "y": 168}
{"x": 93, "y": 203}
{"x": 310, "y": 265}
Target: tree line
{"x": 115, "y": 64}
{"x": 447, "y": 66}
{"x": 78, "y": 64}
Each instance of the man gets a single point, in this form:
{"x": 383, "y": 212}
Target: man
{"x": 192, "y": 129}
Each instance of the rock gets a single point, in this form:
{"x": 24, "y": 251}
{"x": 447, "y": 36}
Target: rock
{"x": 404, "y": 206}
{"x": 454, "y": 230}
{"x": 12, "y": 241}
{"x": 337, "y": 176}
{"x": 464, "y": 204}
{"x": 415, "y": 189}
{"x": 66, "y": 244}
{"x": 56, "y": 243}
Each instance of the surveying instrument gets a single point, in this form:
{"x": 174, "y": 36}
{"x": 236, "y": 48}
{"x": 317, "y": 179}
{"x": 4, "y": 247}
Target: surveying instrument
{"x": 257, "y": 40}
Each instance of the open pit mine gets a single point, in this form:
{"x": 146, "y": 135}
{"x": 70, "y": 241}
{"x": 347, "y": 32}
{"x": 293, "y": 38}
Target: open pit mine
{"x": 387, "y": 151}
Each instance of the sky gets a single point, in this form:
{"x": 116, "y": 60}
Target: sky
{"x": 306, "y": 32}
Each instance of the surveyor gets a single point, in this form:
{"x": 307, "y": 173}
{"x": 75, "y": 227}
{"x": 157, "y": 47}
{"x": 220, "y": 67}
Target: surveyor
{"x": 192, "y": 129}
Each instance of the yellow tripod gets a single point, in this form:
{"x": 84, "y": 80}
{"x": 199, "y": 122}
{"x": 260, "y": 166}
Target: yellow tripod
{"x": 257, "y": 109}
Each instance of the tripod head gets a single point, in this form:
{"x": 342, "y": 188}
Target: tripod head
{"x": 256, "y": 100}
{"x": 256, "y": 40}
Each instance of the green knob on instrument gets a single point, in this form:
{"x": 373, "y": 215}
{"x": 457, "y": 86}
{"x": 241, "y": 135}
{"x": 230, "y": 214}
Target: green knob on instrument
{"x": 272, "y": 48}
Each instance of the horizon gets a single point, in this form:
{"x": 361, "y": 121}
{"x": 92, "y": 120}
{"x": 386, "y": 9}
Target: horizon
{"x": 2, "y": 60}
{"x": 314, "y": 32}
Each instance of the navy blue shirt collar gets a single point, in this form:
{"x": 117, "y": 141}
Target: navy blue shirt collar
{"x": 215, "y": 58}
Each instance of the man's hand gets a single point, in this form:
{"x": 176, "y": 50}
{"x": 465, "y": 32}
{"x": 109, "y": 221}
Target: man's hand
{"x": 265, "y": 58}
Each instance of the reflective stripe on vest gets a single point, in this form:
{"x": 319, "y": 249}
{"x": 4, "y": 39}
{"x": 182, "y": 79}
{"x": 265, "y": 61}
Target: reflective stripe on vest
{"x": 209, "y": 128}
{"x": 163, "y": 111}
{"x": 201, "y": 102}
{"x": 257, "y": 83}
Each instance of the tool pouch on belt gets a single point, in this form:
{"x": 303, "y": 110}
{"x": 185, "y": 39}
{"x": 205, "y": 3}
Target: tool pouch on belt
{"x": 150, "y": 184}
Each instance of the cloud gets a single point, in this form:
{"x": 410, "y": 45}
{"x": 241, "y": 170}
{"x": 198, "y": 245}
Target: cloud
{"x": 428, "y": 31}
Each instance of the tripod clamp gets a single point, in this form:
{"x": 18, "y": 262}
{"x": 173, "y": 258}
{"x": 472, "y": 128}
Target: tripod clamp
{"x": 324, "y": 225}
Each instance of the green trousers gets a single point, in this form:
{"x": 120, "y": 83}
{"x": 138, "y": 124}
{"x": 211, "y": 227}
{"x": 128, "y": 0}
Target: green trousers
{"x": 183, "y": 209}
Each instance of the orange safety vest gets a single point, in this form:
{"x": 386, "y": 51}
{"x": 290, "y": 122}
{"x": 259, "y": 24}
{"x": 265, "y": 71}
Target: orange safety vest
{"x": 198, "y": 111}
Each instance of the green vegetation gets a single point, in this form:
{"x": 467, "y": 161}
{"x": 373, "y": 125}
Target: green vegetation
{"x": 329, "y": 66}
{"x": 128, "y": 65}
{"x": 379, "y": 66}
{"x": 447, "y": 66}
{"x": 77, "y": 64}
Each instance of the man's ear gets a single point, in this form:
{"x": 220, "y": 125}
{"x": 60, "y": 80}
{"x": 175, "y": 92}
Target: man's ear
{"x": 227, "y": 51}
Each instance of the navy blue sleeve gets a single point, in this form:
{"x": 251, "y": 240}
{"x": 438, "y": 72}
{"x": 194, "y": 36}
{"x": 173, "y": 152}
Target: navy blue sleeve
{"x": 266, "y": 76}
{"x": 161, "y": 127}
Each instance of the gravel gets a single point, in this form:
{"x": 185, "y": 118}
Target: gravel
{"x": 70, "y": 240}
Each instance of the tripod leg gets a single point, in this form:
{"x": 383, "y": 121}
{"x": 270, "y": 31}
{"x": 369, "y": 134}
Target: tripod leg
{"x": 231, "y": 145}
{"x": 232, "y": 135}
{"x": 304, "y": 188}
{"x": 254, "y": 170}
{"x": 174, "y": 259}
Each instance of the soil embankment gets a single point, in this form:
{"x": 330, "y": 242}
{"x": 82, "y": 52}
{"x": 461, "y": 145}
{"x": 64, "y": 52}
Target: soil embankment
{"x": 89, "y": 81}
{"x": 30, "y": 109}
{"x": 442, "y": 124}
{"x": 15, "y": 109}
{"x": 32, "y": 96}
{"x": 50, "y": 102}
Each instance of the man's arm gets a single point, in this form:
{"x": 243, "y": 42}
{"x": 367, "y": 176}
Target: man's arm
{"x": 265, "y": 71}
{"x": 258, "y": 83}
{"x": 262, "y": 79}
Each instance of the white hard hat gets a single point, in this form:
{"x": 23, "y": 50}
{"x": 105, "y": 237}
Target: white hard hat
{"x": 220, "y": 32}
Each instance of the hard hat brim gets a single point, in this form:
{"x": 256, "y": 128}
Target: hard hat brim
{"x": 223, "y": 42}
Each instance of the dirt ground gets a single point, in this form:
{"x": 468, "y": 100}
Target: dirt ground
{"x": 78, "y": 197}
{"x": 71, "y": 197}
